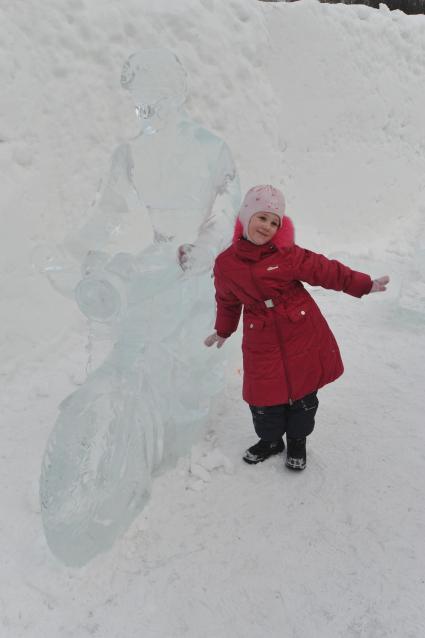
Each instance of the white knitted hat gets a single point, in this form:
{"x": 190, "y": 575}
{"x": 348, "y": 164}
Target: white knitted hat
{"x": 266, "y": 199}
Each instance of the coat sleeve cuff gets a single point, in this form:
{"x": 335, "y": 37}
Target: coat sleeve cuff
{"x": 222, "y": 332}
{"x": 360, "y": 284}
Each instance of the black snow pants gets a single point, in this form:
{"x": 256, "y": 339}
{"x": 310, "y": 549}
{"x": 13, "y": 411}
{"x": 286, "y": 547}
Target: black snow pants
{"x": 296, "y": 419}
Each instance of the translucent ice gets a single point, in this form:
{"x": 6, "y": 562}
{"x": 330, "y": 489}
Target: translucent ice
{"x": 149, "y": 400}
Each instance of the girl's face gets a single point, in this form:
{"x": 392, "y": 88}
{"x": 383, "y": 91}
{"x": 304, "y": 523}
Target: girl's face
{"x": 262, "y": 227}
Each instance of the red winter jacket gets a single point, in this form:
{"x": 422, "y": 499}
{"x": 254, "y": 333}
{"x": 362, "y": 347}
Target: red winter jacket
{"x": 288, "y": 349}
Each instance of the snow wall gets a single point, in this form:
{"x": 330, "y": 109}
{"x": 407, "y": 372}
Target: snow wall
{"x": 324, "y": 101}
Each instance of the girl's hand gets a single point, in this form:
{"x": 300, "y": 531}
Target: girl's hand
{"x": 380, "y": 284}
{"x": 184, "y": 256}
{"x": 194, "y": 259}
{"x": 214, "y": 338}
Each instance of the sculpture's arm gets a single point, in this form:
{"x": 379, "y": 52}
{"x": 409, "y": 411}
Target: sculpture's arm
{"x": 81, "y": 250}
{"x": 216, "y": 231}
{"x": 111, "y": 204}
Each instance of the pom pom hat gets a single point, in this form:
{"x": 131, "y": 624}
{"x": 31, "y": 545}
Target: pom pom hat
{"x": 265, "y": 199}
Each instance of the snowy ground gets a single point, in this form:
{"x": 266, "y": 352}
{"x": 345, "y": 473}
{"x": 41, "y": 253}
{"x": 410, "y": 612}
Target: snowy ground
{"x": 225, "y": 549}
{"x": 327, "y": 102}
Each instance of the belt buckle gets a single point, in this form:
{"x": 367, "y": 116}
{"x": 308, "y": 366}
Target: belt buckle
{"x": 269, "y": 303}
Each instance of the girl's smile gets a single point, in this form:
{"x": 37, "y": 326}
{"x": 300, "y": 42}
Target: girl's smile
{"x": 262, "y": 227}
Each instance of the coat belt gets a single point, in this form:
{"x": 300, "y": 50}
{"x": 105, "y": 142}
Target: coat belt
{"x": 266, "y": 303}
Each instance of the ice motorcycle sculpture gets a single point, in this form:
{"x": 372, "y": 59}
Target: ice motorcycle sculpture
{"x": 149, "y": 400}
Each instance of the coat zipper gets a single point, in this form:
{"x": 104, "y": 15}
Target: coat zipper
{"x": 281, "y": 348}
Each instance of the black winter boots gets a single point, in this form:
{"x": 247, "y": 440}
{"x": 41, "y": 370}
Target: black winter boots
{"x": 296, "y": 456}
{"x": 262, "y": 450}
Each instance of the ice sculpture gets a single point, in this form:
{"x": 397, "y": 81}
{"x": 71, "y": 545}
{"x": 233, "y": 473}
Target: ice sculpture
{"x": 149, "y": 400}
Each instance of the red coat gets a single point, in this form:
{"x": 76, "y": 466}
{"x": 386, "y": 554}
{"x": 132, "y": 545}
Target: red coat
{"x": 288, "y": 349}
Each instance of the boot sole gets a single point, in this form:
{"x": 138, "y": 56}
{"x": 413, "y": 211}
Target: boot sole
{"x": 296, "y": 468}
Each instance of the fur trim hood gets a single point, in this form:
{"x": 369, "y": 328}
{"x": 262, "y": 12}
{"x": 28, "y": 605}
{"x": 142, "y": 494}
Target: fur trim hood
{"x": 284, "y": 237}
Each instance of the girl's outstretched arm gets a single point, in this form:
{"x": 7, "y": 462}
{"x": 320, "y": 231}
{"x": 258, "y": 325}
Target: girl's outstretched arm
{"x": 318, "y": 270}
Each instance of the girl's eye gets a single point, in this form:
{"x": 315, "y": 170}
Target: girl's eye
{"x": 275, "y": 224}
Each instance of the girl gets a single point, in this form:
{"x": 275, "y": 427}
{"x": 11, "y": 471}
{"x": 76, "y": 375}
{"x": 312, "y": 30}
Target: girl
{"x": 289, "y": 351}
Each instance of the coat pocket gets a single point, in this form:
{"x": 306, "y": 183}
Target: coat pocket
{"x": 257, "y": 335}
{"x": 300, "y": 312}
{"x": 253, "y": 324}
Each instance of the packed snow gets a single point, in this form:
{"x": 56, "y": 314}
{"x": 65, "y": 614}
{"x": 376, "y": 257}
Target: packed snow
{"x": 326, "y": 102}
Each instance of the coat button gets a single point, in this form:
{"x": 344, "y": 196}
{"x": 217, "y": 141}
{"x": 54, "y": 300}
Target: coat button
{"x": 303, "y": 312}
{"x": 251, "y": 325}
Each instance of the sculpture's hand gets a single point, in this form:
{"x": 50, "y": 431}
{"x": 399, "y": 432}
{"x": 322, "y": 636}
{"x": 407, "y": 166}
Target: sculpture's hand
{"x": 214, "y": 338}
{"x": 380, "y": 284}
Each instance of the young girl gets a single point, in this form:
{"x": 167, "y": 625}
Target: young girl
{"x": 289, "y": 351}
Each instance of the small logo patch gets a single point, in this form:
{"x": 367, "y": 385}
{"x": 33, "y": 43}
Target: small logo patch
{"x": 272, "y": 267}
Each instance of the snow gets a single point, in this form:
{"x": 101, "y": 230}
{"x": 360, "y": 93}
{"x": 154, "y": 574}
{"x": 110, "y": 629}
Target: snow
{"x": 325, "y": 101}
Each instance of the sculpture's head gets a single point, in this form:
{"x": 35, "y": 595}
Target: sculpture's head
{"x": 157, "y": 81}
